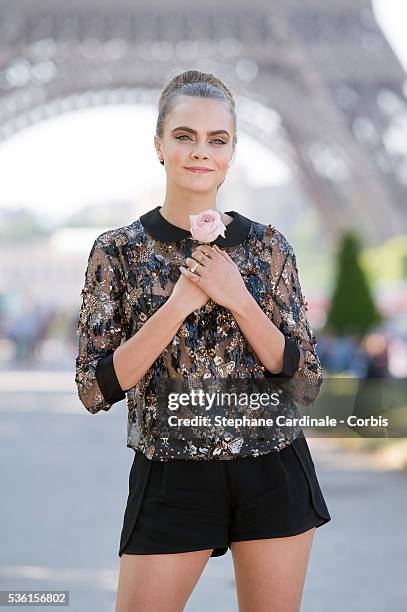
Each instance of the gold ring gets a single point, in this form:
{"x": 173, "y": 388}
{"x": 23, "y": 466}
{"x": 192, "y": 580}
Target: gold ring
{"x": 194, "y": 267}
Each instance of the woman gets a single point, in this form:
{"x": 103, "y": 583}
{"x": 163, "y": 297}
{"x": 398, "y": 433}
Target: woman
{"x": 160, "y": 308}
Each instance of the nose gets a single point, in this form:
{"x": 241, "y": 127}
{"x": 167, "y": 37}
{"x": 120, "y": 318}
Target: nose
{"x": 199, "y": 152}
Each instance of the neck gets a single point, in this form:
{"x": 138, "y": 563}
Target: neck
{"x": 177, "y": 207}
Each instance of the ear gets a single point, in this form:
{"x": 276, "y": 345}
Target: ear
{"x": 157, "y": 144}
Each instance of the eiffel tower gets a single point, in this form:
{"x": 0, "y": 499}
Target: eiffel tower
{"x": 321, "y": 71}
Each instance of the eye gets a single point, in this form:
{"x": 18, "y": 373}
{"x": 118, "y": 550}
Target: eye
{"x": 186, "y": 136}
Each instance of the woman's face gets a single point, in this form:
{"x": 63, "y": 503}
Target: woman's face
{"x": 183, "y": 148}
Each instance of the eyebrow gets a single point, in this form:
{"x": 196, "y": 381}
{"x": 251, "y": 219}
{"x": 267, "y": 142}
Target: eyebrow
{"x": 188, "y": 129}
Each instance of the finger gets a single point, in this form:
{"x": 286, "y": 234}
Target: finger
{"x": 187, "y": 272}
{"x": 200, "y": 257}
{"x": 225, "y": 255}
{"x": 194, "y": 263}
{"x": 204, "y": 250}
{"x": 207, "y": 249}
{"x": 190, "y": 275}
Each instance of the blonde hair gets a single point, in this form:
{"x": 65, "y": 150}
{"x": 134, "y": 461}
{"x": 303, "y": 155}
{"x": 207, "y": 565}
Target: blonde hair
{"x": 194, "y": 83}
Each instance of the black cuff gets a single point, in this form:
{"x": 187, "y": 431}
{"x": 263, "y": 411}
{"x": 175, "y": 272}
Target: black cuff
{"x": 291, "y": 359}
{"x": 107, "y": 380}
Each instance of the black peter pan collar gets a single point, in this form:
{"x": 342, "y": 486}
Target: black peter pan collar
{"x": 161, "y": 229}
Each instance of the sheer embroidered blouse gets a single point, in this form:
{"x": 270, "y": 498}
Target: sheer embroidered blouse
{"x": 131, "y": 272}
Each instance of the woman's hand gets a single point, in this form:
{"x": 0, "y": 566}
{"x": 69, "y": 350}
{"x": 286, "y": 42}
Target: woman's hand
{"x": 217, "y": 275}
{"x": 187, "y": 296}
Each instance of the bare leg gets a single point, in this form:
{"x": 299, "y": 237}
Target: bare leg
{"x": 270, "y": 573}
{"x": 162, "y": 583}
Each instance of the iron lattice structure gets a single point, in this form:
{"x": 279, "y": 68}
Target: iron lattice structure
{"x": 322, "y": 71}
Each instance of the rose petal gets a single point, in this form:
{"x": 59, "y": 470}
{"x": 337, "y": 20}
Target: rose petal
{"x": 207, "y": 225}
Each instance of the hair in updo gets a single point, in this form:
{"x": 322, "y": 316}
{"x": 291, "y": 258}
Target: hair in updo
{"x": 194, "y": 83}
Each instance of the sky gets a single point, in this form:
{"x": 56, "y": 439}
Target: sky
{"x": 101, "y": 154}
{"x": 107, "y": 153}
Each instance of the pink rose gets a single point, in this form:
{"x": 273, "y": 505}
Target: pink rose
{"x": 207, "y": 226}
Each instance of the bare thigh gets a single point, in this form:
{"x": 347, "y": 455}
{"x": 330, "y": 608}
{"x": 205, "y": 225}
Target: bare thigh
{"x": 162, "y": 583}
{"x": 270, "y": 573}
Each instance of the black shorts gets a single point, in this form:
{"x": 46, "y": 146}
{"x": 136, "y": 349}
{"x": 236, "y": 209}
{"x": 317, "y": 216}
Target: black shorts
{"x": 183, "y": 505}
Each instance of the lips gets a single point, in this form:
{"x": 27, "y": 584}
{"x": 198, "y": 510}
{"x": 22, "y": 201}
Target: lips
{"x": 198, "y": 170}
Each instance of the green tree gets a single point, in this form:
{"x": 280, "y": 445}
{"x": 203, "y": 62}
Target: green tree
{"x": 352, "y": 309}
